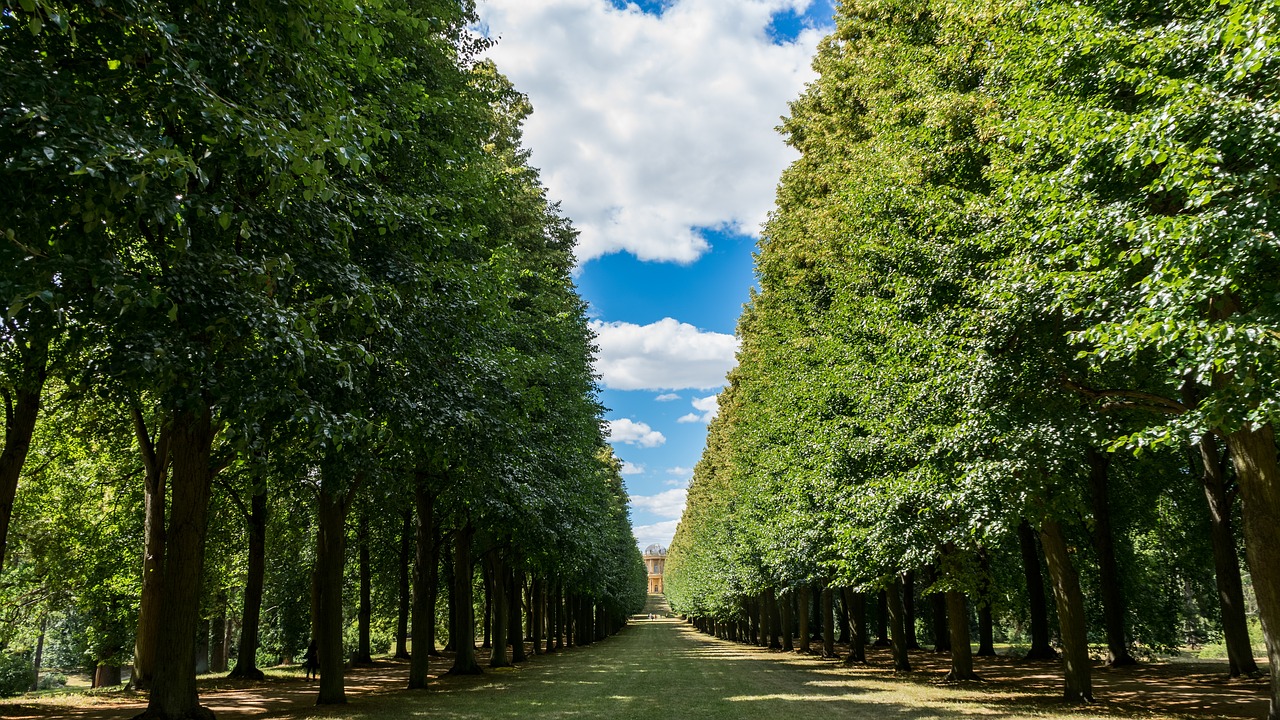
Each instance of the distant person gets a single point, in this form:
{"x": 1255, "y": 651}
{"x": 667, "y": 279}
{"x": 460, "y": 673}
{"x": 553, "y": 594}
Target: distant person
{"x": 311, "y": 662}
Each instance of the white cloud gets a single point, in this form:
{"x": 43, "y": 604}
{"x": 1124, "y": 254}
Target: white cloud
{"x": 630, "y": 468}
{"x": 678, "y": 470}
{"x": 659, "y": 532}
{"x": 707, "y": 408}
{"x": 667, "y": 397}
{"x": 649, "y": 127}
{"x": 630, "y": 432}
{"x": 663, "y": 355}
{"x": 666, "y": 504}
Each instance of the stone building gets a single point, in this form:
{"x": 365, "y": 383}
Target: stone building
{"x": 655, "y": 557}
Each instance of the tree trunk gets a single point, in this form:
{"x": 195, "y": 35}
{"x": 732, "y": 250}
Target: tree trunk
{"x": 202, "y": 647}
{"x": 364, "y": 615}
{"x": 486, "y": 581}
{"x": 106, "y": 676}
{"x": 802, "y": 606}
{"x": 986, "y": 632}
{"x": 938, "y": 602}
{"x": 1253, "y": 453}
{"x": 898, "y": 626}
{"x": 464, "y": 630}
{"x": 218, "y": 634}
{"x": 1071, "y": 618}
{"x": 775, "y": 619}
{"x": 247, "y": 655}
{"x": 1040, "y": 647}
{"x": 787, "y": 621}
{"x": 451, "y": 583}
{"x": 500, "y": 614}
{"x": 155, "y": 462}
{"x": 1111, "y": 591}
{"x": 857, "y": 604}
{"x": 909, "y": 602}
{"x": 173, "y": 688}
{"x": 21, "y": 408}
{"x": 961, "y": 652}
{"x": 402, "y": 609}
{"x": 828, "y": 625}
{"x": 38, "y": 659}
{"x": 986, "y": 625}
{"x": 331, "y": 545}
{"x": 1226, "y": 563}
{"x": 882, "y": 619}
{"x": 536, "y": 606}
{"x": 424, "y": 561}
{"x": 842, "y": 616}
{"x": 515, "y": 612}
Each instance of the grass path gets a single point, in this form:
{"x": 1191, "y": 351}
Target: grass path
{"x": 663, "y": 668}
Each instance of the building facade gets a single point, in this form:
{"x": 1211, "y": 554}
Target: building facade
{"x": 655, "y": 558}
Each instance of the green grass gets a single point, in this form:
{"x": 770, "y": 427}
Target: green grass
{"x": 664, "y": 669}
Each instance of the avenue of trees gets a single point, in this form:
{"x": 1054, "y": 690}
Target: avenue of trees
{"x": 1014, "y": 361}
{"x": 290, "y": 351}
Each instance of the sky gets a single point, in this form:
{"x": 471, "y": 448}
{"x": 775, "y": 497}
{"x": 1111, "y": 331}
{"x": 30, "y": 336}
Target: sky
{"x": 654, "y": 128}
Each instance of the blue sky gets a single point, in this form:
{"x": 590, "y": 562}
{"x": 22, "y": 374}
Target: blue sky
{"x": 653, "y": 125}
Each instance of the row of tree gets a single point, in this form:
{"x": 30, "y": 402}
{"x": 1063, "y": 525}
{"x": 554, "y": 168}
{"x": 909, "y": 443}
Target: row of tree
{"x": 1020, "y": 286}
{"x": 286, "y": 256}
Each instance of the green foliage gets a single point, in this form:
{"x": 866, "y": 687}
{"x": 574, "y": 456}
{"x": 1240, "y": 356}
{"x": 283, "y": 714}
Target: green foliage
{"x": 16, "y": 673}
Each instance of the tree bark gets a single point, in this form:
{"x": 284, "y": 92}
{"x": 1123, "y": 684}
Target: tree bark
{"x": 173, "y": 688}
{"x": 1111, "y": 591}
{"x": 364, "y": 615}
{"x": 1226, "y": 563}
{"x": 898, "y": 626}
{"x": 828, "y": 626}
{"x": 38, "y": 660}
{"x": 1253, "y": 453}
{"x": 909, "y": 602}
{"x": 775, "y": 619}
{"x": 247, "y": 656}
{"x": 1071, "y": 619}
{"x": 202, "y": 647}
{"x": 424, "y": 612}
{"x": 938, "y": 602}
{"x": 515, "y": 612}
{"x": 21, "y": 408}
{"x": 402, "y": 609}
{"x": 1040, "y": 647}
{"x": 986, "y": 625}
{"x": 802, "y": 606}
{"x": 882, "y": 619}
{"x": 331, "y": 546}
{"x": 500, "y": 614}
{"x": 464, "y": 630}
{"x": 537, "y": 618}
{"x": 155, "y": 463}
{"x": 961, "y": 652}
{"x": 857, "y": 604}
{"x": 218, "y": 634}
{"x": 788, "y": 622}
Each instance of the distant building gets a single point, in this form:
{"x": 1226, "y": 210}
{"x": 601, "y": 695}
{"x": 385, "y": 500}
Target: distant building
{"x": 655, "y": 557}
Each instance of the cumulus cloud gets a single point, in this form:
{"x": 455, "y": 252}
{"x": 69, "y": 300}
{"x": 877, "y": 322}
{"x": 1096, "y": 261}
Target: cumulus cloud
{"x": 681, "y": 471}
{"x": 667, "y": 397}
{"x": 630, "y": 432}
{"x": 659, "y": 532}
{"x": 666, "y": 504}
{"x": 707, "y": 407}
{"x": 664, "y": 355}
{"x": 650, "y": 127}
{"x": 630, "y": 468}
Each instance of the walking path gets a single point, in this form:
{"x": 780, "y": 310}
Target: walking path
{"x": 663, "y": 668}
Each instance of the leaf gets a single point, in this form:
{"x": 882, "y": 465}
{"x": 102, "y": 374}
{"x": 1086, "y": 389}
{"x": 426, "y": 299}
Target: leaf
{"x": 224, "y": 220}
